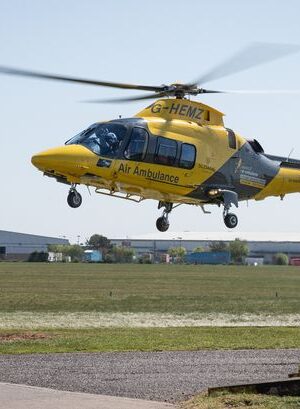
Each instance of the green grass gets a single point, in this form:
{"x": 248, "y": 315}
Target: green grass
{"x": 242, "y": 401}
{"x": 149, "y": 288}
{"x": 149, "y": 339}
{"x": 179, "y": 289}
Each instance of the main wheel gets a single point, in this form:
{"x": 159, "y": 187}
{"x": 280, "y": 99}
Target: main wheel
{"x": 74, "y": 199}
{"x": 231, "y": 220}
{"x": 162, "y": 224}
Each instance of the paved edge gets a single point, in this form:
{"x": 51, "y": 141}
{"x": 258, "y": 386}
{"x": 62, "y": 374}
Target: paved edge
{"x": 16, "y": 396}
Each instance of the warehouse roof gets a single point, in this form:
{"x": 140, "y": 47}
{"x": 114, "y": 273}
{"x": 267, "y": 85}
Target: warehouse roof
{"x": 10, "y": 237}
{"x": 217, "y": 236}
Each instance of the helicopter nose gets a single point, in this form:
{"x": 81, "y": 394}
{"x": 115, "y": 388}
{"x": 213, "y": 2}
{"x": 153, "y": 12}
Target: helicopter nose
{"x": 40, "y": 160}
{"x": 49, "y": 159}
{"x": 64, "y": 159}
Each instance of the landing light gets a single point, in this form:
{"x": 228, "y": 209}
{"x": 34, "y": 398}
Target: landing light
{"x": 213, "y": 192}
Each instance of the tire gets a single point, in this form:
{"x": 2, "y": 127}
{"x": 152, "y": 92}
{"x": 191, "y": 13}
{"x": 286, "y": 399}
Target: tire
{"x": 162, "y": 224}
{"x": 231, "y": 220}
{"x": 74, "y": 199}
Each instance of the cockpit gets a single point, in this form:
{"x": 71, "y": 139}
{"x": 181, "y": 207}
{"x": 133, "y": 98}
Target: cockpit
{"x": 103, "y": 139}
{"x": 132, "y": 141}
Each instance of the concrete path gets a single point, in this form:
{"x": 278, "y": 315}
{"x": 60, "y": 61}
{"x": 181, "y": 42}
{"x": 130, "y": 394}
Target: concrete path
{"x": 14, "y": 396}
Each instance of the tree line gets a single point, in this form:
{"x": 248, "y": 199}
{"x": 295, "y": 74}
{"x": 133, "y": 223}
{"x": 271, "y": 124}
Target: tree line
{"x": 238, "y": 250}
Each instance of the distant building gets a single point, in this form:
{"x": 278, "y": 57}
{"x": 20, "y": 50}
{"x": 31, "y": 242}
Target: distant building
{"x": 208, "y": 257}
{"x": 261, "y": 245}
{"x": 55, "y": 257}
{"x": 93, "y": 256}
{"x": 254, "y": 261}
{"x": 18, "y": 246}
{"x": 295, "y": 261}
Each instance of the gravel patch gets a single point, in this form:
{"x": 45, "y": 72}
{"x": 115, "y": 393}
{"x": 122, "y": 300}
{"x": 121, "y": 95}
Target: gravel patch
{"x": 22, "y": 337}
{"x": 163, "y": 376}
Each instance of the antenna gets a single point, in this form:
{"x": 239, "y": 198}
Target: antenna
{"x": 292, "y": 150}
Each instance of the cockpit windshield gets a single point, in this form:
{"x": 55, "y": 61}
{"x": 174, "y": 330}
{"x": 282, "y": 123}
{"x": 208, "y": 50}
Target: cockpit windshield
{"x": 103, "y": 139}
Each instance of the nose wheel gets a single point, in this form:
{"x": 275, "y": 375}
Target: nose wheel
{"x": 162, "y": 223}
{"x": 74, "y": 198}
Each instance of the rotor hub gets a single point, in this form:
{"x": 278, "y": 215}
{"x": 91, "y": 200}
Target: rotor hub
{"x": 180, "y": 90}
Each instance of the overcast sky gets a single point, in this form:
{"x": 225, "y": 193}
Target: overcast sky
{"x": 141, "y": 42}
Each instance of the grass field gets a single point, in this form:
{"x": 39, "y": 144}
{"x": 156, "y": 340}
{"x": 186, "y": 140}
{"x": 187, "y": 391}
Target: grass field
{"x": 176, "y": 289}
{"x": 85, "y": 307}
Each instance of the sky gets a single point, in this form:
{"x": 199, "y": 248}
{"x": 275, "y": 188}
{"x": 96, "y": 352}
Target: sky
{"x": 140, "y": 42}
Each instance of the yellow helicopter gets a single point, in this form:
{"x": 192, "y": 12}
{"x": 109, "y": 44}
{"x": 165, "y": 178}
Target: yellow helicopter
{"x": 175, "y": 151}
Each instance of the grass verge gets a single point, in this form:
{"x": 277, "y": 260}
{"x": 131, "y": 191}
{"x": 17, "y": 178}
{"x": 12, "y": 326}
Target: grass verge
{"x": 241, "y": 401}
{"x": 147, "y": 339}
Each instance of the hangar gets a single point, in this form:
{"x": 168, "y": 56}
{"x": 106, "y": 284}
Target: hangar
{"x": 261, "y": 245}
{"x": 18, "y": 246}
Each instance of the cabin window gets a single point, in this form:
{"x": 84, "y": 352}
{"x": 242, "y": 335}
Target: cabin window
{"x": 231, "y": 139}
{"x": 187, "y": 156}
{"x": 137, "y": 145}
{"x": 166, "y": 151}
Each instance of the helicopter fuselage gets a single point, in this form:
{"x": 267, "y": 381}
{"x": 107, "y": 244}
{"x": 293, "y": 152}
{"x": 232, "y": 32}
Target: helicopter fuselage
{"x": 174, "y": 151}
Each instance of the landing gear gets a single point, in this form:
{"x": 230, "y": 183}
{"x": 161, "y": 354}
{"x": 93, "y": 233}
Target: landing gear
{"x": 230, "y": 220}
{"x": 229, "y": 198}
{"x": 162, "y": 223}
{"x": 74, "y": 198}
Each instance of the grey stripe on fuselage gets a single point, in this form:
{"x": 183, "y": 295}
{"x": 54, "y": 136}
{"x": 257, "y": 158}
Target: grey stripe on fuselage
{"x": 246, "y": 166}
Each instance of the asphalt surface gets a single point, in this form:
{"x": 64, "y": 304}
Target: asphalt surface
{"x": 161, "y": 376}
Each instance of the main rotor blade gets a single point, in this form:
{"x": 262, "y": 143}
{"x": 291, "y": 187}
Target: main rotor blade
{"x": 203, "y": 91}
{"x": 137, "y": 98}
{"x": 262, "y": 91}
{"x": 209, "y": 91}
{"x": 251, "y": 56}
{"x": 42, "y": 75}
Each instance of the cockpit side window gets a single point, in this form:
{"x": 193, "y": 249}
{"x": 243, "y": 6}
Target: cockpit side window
{"x": 103, "y": 139}
{"x": 75, "y": 140}
{"x": 137, "y": 145}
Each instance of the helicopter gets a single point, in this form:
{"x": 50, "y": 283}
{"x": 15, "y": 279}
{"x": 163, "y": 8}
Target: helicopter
{"x": 176, "y": 150}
